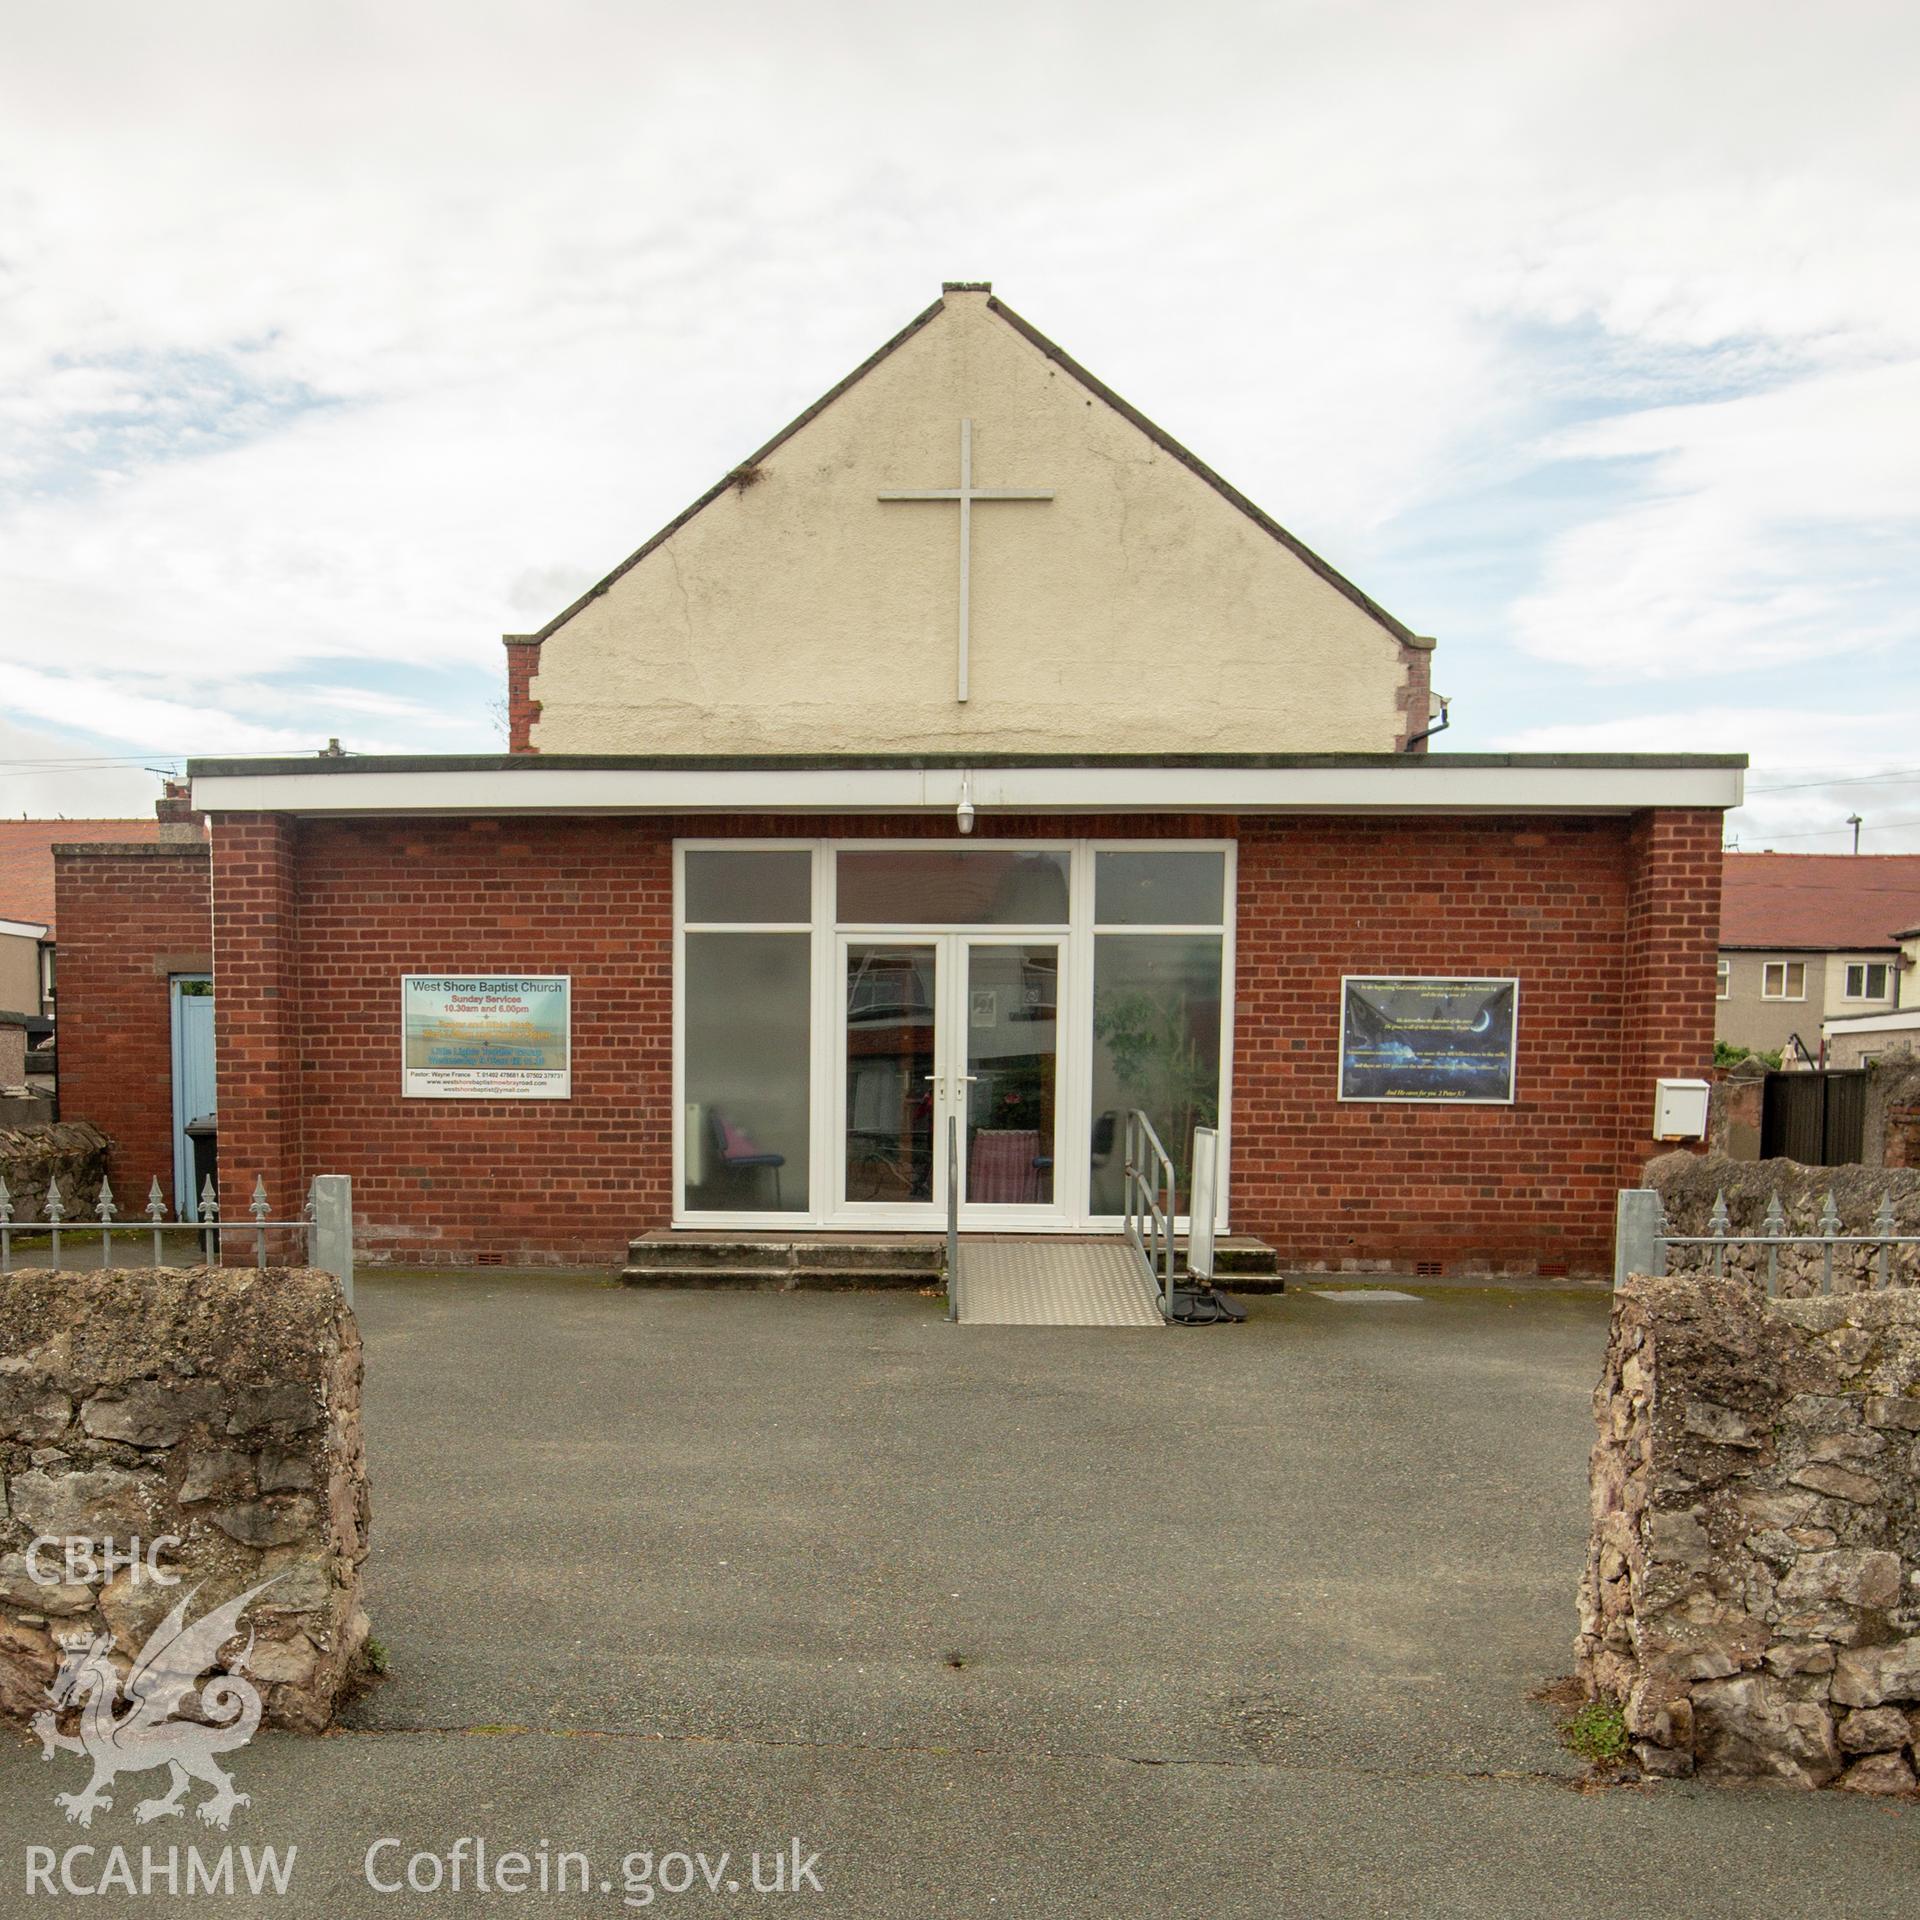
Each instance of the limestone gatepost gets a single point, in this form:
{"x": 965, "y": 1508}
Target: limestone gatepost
{"x": 175, "y": 1432}
{"x": 1752, "y": 1589}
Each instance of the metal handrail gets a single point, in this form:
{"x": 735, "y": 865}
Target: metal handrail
{"x": 953, "y": 1216}
{"x": 1152, "y": 1205}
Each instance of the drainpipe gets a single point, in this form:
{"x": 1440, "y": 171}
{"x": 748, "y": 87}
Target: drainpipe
{"x": 1444, "y": 722}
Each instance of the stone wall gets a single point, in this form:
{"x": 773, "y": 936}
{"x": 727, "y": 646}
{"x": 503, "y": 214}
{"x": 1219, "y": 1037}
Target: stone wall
{"x": 1735, "y": 1110}
{"x": 1893, "y": 1114}
{"x": 1752, "y": 1589}
{"x": 1688, "y": 1185}
{"x": 216, "y": 1411}
{"x": 70, "y": 1151}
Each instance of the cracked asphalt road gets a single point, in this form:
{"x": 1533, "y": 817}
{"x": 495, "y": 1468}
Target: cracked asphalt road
{"x": 993, "y": 1620}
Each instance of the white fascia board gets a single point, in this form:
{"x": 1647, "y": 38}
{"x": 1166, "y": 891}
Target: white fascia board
{"x": 1903, "y": 1022}
{"x": 1037, "y": 789}
{"x": 23, "y": 929}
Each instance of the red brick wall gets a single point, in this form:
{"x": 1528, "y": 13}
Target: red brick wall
{"x": 1606, "y": 922}
{"x": 1674, "y": 864}
{"x": 1596, "y": 919}
{"x": 129, "y": 917}
{"x": 528, "y": 1179}
{"x": 523, "y": 662}
{"x": 1416, "y": 699}
{"x": 257, "y": 1011}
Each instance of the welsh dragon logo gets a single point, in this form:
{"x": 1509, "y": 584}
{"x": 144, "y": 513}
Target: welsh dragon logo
{"x": 148, "y": 1733}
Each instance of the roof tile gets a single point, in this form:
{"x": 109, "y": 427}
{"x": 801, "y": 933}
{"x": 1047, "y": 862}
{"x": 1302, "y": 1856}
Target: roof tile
{"x": 26, "y": 859}
{"x": 1819, "y": 902}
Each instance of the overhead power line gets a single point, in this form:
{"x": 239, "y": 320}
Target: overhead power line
{"x": 1818, "y": 833}
{"x": 1842, "y": 780}
{"x": 81, "y": 762}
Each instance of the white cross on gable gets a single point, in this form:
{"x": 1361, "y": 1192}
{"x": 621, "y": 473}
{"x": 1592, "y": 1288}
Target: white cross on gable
{"x": 966, "y": 493}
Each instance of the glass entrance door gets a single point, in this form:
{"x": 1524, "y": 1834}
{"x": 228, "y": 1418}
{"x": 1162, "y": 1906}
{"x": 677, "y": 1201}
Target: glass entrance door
{"x": 891, "y": 1078}
{"x": 1009, "y": 1088}
{"x": 950, "y": 1025}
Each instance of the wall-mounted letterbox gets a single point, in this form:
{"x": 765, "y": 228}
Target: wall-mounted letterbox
{"x": 1680, "y": 1109}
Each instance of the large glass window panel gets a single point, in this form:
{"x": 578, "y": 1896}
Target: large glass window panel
{"x": 1156, "y": 1046}
{"x": 1013, "y": 1024}
{"x": 935, "y": 887}
{"x": 749, "y": 885}
{"x": 891, "y": 996}
{"x": 747, "y": 1006}
{"x": 1181, "y": 888}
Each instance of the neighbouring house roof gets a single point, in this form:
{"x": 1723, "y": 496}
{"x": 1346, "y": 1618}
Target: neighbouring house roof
{"x": 26, "y": 859}
{"x": 1818, "y": 902}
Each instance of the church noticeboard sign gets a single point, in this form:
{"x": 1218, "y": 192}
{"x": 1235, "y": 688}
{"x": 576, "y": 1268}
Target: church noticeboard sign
{"x": 486, "y": 1037}
{"x": 1427, "y": 1038}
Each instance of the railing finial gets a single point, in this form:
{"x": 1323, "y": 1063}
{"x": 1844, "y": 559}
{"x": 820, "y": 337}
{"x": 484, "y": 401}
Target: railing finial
{"x": 156, "y": 1201}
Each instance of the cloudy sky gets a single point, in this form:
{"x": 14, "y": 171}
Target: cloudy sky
{"x": 337, "y": 340}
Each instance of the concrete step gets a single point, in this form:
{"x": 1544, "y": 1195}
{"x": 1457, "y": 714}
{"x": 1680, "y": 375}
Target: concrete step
{"x": 822, "y": 1278}
{"x": 678, "y": 1252}
{"x": 764, "y": 1279}
{"x": 1239, "y": 1255}
{"x": 664, "y": 1258}
{"x": 925, "y": 1252}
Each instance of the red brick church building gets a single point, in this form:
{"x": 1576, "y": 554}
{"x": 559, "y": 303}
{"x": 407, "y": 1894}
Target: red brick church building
{"x": 971, "y": 752}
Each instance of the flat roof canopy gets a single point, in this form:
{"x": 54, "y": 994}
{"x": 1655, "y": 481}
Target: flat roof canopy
{"x": 995, "y": 783}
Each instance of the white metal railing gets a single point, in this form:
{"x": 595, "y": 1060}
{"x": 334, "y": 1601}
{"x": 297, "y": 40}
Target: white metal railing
{"x": 325, "y": 1226}
{"x": 1153, "y": 1204}
{"x": 1642, "y": 1240}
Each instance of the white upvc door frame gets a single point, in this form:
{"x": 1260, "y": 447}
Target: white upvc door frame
{"x": 901, "y": 1215}
{"x": 952, "y": 952}
{"x": 1086, "y": 952}
{"x": 1063, "y": 1212}
{"x": 827, "y": 1055}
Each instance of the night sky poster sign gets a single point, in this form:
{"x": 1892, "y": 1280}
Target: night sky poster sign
{"x": 1427, "y": 1039}
{"x": 486, "y": 1037}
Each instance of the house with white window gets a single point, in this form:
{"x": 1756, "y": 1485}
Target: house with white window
{"x": 1859, "y": 1038}
{"x": 1810, "y": 938}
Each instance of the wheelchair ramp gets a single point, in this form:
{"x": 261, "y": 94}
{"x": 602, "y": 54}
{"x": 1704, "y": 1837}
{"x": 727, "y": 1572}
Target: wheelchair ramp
{"x": 1054, "y": 1283}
